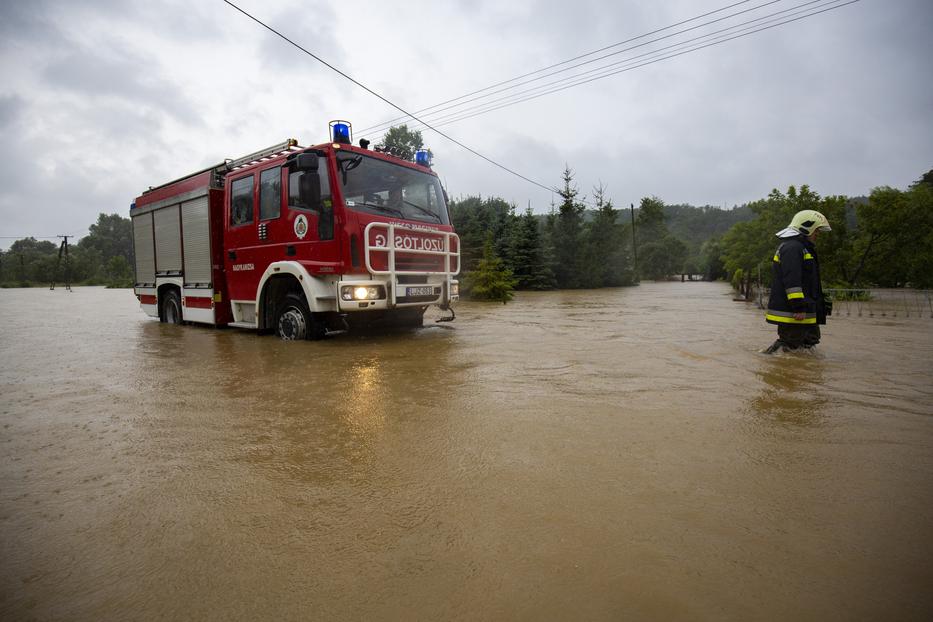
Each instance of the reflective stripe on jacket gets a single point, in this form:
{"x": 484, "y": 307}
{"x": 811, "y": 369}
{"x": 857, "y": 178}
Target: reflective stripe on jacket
{"x": 795, "y": 284}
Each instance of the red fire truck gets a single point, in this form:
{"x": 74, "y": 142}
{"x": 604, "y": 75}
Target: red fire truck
{"x": 298, "y": 241}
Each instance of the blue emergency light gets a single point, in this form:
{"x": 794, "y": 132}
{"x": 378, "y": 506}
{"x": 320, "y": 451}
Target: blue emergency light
{"x": 423, "y": 157}
{"x": 340, "y": 132}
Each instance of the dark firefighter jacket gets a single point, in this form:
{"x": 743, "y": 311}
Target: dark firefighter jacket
{"x": 795, "y": 284}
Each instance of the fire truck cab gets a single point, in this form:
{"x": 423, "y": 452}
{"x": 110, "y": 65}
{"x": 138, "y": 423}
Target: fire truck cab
{"x": 297, "y": 241}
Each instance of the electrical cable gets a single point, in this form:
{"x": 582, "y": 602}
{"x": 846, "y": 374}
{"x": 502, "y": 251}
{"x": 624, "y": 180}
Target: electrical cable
{"x": 576, "y": 79}
{"x": 394, "y": 105}
{"x": 365, "y": 132}
{"x": 564, "y": 62}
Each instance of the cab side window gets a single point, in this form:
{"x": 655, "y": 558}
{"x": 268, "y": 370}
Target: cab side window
{"x": 270, "y": 193}
{"x": 325, "y": 210}
{"x": 241, "y": 201}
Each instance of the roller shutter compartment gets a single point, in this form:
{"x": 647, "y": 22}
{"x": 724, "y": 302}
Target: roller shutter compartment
{"x": 197, "y": 241}
{"x": 168, "y": 240}
{"x": 143, "y": 246}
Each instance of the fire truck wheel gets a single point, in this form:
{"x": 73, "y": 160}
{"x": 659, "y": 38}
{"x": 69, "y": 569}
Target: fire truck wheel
{"x": 294, "y": 320}
{"x": 171, "y": 308}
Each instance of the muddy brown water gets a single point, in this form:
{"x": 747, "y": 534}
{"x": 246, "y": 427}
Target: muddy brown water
{"x": 595, "y": 455}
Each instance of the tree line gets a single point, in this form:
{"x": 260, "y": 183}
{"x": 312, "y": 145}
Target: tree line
{"x": 575, "y": 247}
{"x": 884, "y": 239}
{"x": 103, "y": 257}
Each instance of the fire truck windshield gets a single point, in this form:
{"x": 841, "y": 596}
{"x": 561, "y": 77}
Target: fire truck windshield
{"x": 375, "y": 186}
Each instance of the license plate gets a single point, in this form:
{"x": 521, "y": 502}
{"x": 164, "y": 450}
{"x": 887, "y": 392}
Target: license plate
{"x": 419, "y": 291}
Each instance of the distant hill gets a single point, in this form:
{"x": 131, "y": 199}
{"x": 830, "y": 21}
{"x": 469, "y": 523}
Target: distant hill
{"x": 691, "y": 224}
{"x": 694, "y": 225}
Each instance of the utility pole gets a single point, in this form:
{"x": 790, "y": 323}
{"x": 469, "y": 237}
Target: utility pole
{"x": 760, "y": 301}
{"x": 63, "y": 251}
{"x": 634, "y": 244}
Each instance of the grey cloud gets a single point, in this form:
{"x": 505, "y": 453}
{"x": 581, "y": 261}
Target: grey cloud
{"x": 11, "y": 110}
{"x": 180, "y": 21}
{"x": 25, "y": 21}
{"x": 312, "y": 27}
{"x": 121, "y": 74}
{"x": 45, "y": 20}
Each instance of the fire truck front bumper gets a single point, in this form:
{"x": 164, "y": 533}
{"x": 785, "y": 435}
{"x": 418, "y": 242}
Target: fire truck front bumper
{"x": 373, "y": 295}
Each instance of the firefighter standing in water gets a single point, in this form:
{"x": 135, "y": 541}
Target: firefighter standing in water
{"x": 796, "y": 304}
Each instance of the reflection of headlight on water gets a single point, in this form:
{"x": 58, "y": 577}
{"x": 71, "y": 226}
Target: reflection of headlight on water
{"x": 365, "y": 411}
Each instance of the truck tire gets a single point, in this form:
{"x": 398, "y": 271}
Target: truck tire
{"x": 294, "y": 321}
{"x": 171, "y": 308}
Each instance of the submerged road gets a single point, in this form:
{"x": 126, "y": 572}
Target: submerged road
{"x": 591, "y": 455}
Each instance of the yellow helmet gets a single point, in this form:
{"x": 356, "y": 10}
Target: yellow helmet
{"x": 805, "y": 222}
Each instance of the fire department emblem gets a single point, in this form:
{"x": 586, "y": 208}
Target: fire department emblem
{"x": 301, "y": 226}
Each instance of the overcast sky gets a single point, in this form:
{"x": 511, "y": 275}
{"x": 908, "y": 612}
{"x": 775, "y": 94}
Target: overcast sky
{"x": 100, "y": 100}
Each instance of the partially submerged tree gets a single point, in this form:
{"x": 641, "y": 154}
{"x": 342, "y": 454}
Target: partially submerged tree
{"x": 531, "y": 267}
{"x": 491, "y": 280}
{"x": 567, "y": 235}
{"x": 660, "y": 254}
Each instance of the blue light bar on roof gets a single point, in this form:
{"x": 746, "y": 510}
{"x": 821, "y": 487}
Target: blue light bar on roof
{"x": 340, "y": 132}
{"x": 423, "y": 157}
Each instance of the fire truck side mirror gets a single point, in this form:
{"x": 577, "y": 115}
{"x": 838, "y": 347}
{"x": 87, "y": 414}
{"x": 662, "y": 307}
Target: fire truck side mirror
{"x": 309, "y": 190}
{"x": 306, "y": 162}
{"x": 309, "y": 184}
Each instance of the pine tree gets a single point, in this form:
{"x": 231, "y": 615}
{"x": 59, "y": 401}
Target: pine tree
{"x": 603, "y": 244}
{"x": 532, "y": 270}
{"x": 491, "y": 280}
{"x": 567, "y": 235}
{"x": 474, "y": 218}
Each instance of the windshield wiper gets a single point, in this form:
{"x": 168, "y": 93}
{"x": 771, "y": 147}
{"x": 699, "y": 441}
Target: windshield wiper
{"x": 348, "y": 164}
{"x": 423, "y": 210}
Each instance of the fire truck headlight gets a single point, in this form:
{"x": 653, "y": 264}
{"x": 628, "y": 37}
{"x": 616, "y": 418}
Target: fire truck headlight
{"x": 362, "y": 292}
{"x": 455, "y": 288}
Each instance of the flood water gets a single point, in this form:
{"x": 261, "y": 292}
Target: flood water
{"x": 596, "y": 455}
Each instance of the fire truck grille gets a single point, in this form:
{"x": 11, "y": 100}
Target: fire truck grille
{"x": 419, "y": 263}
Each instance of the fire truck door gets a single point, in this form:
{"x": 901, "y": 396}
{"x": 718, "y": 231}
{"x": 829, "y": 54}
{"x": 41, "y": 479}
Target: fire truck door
{"x": 309, "y": 231}
{"x": 242, "y": 261}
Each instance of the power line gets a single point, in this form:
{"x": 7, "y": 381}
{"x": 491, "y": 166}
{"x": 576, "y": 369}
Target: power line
{"x": 397, "y": 107}
{"x": 577, "y": 81}
{"x": 570, "y": 78}
{"x": 564, "y": 62}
